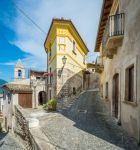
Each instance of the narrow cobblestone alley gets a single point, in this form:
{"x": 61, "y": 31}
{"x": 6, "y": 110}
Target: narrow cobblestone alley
{"x": 85, "y": 125}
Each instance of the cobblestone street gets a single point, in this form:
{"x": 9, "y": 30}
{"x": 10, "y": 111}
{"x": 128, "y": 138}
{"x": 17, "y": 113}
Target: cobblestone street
{"x": 10, "y": 142}
{"x": 85, "y": 125}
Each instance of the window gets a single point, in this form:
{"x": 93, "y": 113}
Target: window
{"x": 84, "y": 60}
{"x": 74, "y": 91}
{"x": 106, "y": 93}
{"x": 9, "y": 98}
{"x": 50, "y": 54}
{"x": 50, "y": 92}
{"x": 50, "y": 77}
{"x": 129, "y": 84}
{"x": 74, "y": 47}
{"x": 61, "y": 43}
{"x": 19, "y": 74}
{"x": 62, "y": 40}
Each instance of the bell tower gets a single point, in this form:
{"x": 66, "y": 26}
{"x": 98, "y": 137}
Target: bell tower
{"x": 19, "y": 71}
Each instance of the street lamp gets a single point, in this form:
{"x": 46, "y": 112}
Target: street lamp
{"x": 64, "y": 59}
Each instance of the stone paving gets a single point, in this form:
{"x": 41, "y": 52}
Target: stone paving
{"x": 8, "y": 141}
{"x": 85, "y": 125}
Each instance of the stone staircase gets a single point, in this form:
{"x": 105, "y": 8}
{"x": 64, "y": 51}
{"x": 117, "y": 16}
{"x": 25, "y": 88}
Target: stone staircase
{"x": 68, "y": 98}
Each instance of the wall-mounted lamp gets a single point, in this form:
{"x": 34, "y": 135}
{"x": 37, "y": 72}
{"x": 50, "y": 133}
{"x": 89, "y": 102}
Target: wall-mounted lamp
{"x": 64, "y": 59}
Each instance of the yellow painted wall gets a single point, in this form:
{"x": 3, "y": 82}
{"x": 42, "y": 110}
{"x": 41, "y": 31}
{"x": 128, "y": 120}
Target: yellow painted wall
{"x": 52, "y": 60}
{"x": 74, "y": 61}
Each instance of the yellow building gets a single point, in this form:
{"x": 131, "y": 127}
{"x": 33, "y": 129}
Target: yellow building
{"x": 118, "y": 41}
{"x": 66, "y": 53}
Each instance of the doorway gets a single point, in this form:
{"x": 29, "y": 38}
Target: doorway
{"x": 115, "y": 95}
{"x": 41, "y": 97}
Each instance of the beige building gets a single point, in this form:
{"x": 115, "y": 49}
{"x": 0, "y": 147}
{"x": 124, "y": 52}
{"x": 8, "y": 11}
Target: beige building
{"x": 27, "y": 92}
{"x": 118, "y": 41}
{"x": 66, "y": 52}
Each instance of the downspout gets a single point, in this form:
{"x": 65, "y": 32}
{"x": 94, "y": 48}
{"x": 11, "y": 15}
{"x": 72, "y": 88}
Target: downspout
{"x": 119, "y": 121}
{"x": 138, "y": 94}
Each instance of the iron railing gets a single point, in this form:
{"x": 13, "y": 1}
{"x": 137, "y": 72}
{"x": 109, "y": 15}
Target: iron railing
{"x": 116, "y": 25}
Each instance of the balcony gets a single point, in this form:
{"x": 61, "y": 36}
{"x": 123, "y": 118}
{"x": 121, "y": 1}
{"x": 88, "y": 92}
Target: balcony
{"x": 99, "y": 67}
{"x": 115, "y": 32}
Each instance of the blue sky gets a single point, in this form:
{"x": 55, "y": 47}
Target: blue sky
{"x": 19, "y": 38}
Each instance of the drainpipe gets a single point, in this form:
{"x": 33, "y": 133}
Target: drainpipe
{"x": 119, "y": 121}
{"x": 138, "y": 94}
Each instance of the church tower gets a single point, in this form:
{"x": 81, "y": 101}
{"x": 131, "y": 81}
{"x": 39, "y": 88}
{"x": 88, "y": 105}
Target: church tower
{"x": 19, "y": 71}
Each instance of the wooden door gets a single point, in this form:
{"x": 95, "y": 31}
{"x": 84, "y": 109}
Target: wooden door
{"x": 25, "y": 100}
{"x": 116, "y": 94}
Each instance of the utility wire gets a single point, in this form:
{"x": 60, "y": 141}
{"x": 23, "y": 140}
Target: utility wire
{"x": 35, "y": 24}
{"x": 31, "y": 20}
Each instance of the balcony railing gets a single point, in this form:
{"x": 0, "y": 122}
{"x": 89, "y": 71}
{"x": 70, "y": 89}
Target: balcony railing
{"x": 116, "y": 25}
{"x": 99, "y": 64}
{"x": 113, "y": 35}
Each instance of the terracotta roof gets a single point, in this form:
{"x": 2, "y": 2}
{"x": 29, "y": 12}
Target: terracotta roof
{"x": 18, "y": 87}
{"x": 106, "y": 7}
{"x": 65, "y": 21}
{"x": 37, "y": 73}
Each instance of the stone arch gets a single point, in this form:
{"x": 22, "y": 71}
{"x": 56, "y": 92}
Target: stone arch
{"x": 19, "y": 74}
{"x": 41, "y": 97}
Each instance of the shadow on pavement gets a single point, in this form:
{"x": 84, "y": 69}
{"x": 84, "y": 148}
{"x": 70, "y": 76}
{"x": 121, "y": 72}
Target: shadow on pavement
{"x": 91, "y": 115}
{"x": 2, "y": 136}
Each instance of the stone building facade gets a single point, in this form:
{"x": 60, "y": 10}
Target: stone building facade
{"x": 118, "y": 41}
{"x": 66, "y": 53}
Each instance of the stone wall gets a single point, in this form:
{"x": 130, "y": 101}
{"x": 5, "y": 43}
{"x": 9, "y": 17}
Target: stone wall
{"x": 91, "y": 80}
{"x": 21, "y": 129}
{"x": 68, "y": 86}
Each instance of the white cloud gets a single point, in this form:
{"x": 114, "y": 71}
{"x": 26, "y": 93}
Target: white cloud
{"x": 10, "y": 63}
{"x": 85, "y": 16}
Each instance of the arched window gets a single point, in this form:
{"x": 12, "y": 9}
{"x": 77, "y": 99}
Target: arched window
{"x": 19, "y": 74}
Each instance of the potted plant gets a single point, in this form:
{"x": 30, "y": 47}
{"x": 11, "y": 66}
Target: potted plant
{"x": 50, "y": 105}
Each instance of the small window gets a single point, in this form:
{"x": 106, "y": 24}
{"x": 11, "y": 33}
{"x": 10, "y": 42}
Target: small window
{"x": 50, "y": 77}
{"x": 62, "y": 40}
{"x": 106, "y": 93}
{"x": 19, "y": 74}
{"x": 50, "y": 52}
{"x": 74, "y": 91}
{"x": 74, "y": 46}
{"x": 129, "y": 85}
{"x": 9, "y": 98}
{"x": 50, "y": 92}
{"x": 84, "y": 60}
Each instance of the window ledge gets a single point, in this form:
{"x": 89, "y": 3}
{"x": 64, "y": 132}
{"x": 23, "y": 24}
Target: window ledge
{"x": 74, "y": 52}
{"x": 131, "y": 103}
{"x": 61, "y": 44}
